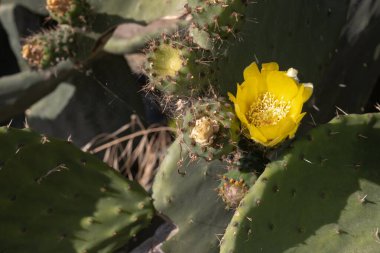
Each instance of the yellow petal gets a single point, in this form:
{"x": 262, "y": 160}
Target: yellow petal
{"x": 281, "y": 85}
{"x": 280, "y": 130}
{"x": 241, "y": 115}
{"x": 297, "y": 104}
{"x": 308, "y": 91}
{"x": 267, "y": 68}
{"x": 231, "y": 97}
{"x": 286, "y": 127}
{"x": 251, "y": 71}
{"x": 298, "y": 121}
{"x": 271, "y": 66}
{"x": 256, "y": 135}
{"x": 253, "y": 132}
{"x": 243, "y": 98}
{"x": 248, "y": 92}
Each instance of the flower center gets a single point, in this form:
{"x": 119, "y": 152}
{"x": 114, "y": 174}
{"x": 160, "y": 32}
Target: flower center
{"x": 267, "y": 110}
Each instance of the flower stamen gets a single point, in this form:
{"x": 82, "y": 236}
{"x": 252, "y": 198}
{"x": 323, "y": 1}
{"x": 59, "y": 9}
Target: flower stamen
{"x": 267, "y": 110}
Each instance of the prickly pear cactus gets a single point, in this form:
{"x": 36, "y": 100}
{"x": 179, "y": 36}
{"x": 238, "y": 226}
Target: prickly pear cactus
{"x": 216, "y": 21}
{"x": 185, "y": 191}
{"x": 12, "y": 140}
{"x": 71, "y": 12}
{"x": 56, "y": 198}
{"x": 210, "y": 129}
{"x": 318, "y": 197}
{"x": 176, "y": 66}
{"x": 46, "y": 49}
{"x": 234, "y": 186}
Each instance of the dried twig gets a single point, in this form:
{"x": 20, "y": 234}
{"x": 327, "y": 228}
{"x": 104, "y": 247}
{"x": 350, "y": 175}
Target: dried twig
{"x": 133, "y": 150}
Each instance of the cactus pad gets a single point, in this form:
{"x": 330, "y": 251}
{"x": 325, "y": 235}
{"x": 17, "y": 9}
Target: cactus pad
{"x": 12, "y": 140}
{"x": 210, "y": 129}
{"x": 177, "y": 67}
{"x": 186, "y": 193}
{"x": 323, "y": 196}
{"x": 55, "y": 198}
{"x": 215, "y": 20}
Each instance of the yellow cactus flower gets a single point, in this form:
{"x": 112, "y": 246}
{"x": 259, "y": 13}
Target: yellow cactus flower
{"x": 269, "y": 103}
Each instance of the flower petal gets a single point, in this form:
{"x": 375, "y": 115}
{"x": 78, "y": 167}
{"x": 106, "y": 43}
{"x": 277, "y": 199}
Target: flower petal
{"x": 231, "y": 97}
{"x": 271, "y": 66}
{"x": 280, "y": 130}
{"x": 271, "y": 80}
{"x": 241, "y": 115}
{"x": 298, "y": 121}
{"x": 251, "y": 71}
{"x": 267, "y": 68}
{"x": 243, "y": 98}
{"x": 297, "y": 103}
{"x": 308, "y": 91}
{"x": 256, "y": 135}
{"x": 285, "y": 127}
{"x": 281, "y": 85}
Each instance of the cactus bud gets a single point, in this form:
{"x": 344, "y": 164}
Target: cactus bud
{"x": 204, "y": 130}
{"x": 72, "y": 12}
{"x": 46, "y": 49}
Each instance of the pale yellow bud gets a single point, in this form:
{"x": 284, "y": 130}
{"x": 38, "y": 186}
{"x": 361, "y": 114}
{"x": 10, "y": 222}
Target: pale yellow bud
{"x": 204, "y": 131}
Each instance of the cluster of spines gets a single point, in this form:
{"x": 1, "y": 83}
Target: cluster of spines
{"x": 76, "y": 13}
{"x": 48, "y": 48}
{"x": 232, "y": 191}
{"x": 219, "y": 20}
{"x": 210, "y": 128}
{"x": 177, "y": 67}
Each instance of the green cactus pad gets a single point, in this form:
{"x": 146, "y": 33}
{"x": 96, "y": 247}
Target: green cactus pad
{"x": 322, "y": 196}
{"x": 272, "y": 34}
{"x": 71, "y": 12}
{"x": 215, "y": 21}
{"x": 12, "y": 140}
{"x": 210, "y": 128}
{"x": 48, "y": 48}
{"x": 185, "y": 191}
{"x": 55, "y": 198}
{"x": 176, "y": 66}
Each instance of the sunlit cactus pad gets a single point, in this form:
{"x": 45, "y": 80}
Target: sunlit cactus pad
{"x": 55, "y": 198}
{"x": 323, "y": 196}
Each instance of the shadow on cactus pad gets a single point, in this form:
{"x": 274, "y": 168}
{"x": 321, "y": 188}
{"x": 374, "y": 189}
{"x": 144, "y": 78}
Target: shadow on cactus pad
{"x": 56, "y": 198}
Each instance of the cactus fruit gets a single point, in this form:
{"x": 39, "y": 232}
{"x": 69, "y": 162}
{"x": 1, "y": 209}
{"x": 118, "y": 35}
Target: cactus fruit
{"x": 71, "y": 12}
{"x": 317, "y": 197}
{"x": 178, "y": 67}
{"x": 55, "y": 198}
{"x": 215, "y": 20}
{"x": 210, "y": 128}
{"x": 184, "y": 190}
{"x": 234, "y": 186}
{"x": 46, "y": 49}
